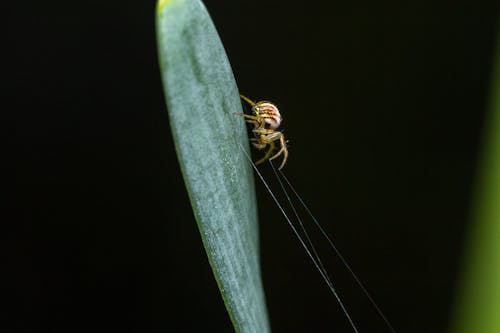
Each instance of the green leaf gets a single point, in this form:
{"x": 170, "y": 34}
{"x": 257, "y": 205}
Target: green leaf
{"x": 211, "y": 143}
{"x": 478, "y": 306}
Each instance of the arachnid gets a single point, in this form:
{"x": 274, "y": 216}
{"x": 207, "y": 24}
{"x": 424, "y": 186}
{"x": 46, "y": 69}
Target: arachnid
{"x": 266, "y": 118}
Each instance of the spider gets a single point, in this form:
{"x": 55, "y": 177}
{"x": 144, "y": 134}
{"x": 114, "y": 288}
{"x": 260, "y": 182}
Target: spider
{"x": 266, "y": 119}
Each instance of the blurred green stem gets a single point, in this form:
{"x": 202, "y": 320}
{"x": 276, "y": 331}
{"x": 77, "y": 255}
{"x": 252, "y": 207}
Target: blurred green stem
{"x": 478, "y": 304}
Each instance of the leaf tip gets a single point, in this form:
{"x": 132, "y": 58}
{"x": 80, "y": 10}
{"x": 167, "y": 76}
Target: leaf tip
{"x": 161, "y": 4}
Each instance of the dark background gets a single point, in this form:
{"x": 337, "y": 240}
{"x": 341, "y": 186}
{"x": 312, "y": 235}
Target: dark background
{"x": 383, "y": 105}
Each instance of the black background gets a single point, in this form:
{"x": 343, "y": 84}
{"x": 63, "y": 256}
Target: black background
{"x": 383, "y": 103}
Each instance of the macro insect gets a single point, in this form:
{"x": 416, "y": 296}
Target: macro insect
{"x": 266, "y": 118}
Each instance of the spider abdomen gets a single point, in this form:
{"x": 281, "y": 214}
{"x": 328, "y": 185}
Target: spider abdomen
{"x": 270, "y": 113}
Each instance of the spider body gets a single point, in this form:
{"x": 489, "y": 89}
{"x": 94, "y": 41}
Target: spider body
{"x": 266, "y": 118}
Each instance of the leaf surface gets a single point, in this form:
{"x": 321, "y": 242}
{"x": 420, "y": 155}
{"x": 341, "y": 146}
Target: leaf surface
{"x": 211, "y": 142}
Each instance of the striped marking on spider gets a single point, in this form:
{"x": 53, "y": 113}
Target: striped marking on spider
{"x": 266, "y": 118}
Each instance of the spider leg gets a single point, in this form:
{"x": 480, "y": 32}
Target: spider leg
{"x": 268, "y": 153}
{"x": 258, "y": 144}
{"x": 283, "y": 151}
{"x": 247, "y": 116}
{"x": 248, "y": 100}
{"x": 263, "y": 131}
{"x": 254, "y": 120}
